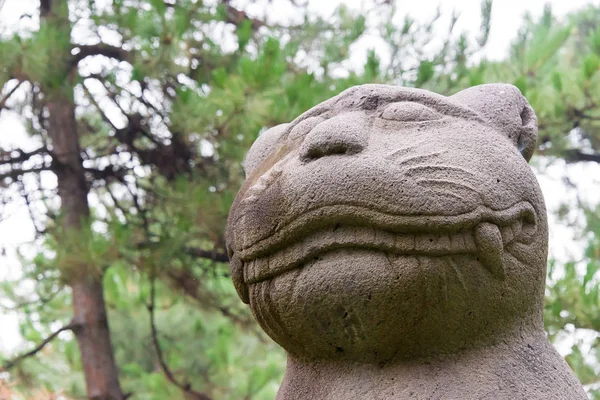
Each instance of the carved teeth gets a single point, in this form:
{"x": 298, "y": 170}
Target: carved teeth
{"x": 237, "y": 275}
{"x": 490, "y": 248}
{"x": 486, "y": 240}
{"x": 507, "y": 234}
{"x": 516, "y": 227}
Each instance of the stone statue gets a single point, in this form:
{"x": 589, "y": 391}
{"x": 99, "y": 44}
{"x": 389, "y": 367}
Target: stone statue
{"x": 394, "y": 241}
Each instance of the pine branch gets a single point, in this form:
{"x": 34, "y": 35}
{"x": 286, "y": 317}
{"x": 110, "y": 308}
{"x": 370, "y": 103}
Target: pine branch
{"x": 25, "y": 194}
{"x": 142, "y": 212}
{"x": 10, "y": 93}
{"x": 10, "y": 364}
{"x": 117, "y": 203}
{"x": 577, "y": 156}
{"x": 38, "y": 303}
{"x": 189, "y": 284}
{"x": 210, "y": 255}
{"x": 101, "y": 49}
{"x": 97, "y": 105}
{"x": 237, "y": 17}
{"x": 6, "y": 157}
{"x": 16, "y": 173}
{"x": 186, "y": 387}
{"x": 233, "y": 15}
{"x": 107, "y": 173}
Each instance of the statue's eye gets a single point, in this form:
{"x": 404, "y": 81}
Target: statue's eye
{"x": 409, "y": 112}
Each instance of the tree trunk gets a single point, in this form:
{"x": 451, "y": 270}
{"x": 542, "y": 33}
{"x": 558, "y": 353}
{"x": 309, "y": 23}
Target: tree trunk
{"x": 89, "y": 310}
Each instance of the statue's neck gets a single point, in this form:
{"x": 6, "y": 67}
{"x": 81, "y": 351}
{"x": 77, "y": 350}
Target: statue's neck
{"x": 526, "y": 368}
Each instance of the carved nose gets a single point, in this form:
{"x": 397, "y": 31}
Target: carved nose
{"x": 341, "y": 135}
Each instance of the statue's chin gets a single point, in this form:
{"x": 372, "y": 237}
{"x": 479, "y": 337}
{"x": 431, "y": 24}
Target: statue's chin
{"x": 371, "y": 306}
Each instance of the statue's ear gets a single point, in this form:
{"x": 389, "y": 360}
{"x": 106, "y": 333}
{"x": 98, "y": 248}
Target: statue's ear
{"x": 504, "y": 107}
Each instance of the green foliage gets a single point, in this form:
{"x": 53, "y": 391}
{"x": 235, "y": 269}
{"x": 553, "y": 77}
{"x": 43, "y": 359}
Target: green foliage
{"x": 486, "y": 18}
{"x": 424, "y": 73}
{"x": 39, "y": 61}
{"x": 573, "y": 304}
{"x": 9, "y": 54}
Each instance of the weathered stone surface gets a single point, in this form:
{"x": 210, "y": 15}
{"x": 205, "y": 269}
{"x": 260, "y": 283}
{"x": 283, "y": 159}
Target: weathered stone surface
{"x": 394, "y": 241}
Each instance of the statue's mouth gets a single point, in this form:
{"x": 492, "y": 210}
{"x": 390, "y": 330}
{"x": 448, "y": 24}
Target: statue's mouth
{"x": 484, "y": 233}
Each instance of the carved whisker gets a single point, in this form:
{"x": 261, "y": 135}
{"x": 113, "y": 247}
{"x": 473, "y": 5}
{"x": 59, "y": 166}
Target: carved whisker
{"x": 404, "y": 150}
{"x": 448, "y": 193}
{"x": 419, "y": 157}
{"x": 446, "y": 183}
{"x": 428, "y": 169}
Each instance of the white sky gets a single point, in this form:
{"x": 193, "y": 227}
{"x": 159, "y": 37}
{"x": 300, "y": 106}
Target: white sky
{"x": 506, "y": 20}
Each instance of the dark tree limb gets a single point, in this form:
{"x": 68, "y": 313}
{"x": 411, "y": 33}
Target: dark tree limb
{"x": 591, "y": 117}
{"x": 233, "y": 15}
{"x": 237, "y": 17}
{"x": 213, "y": 255}
{"x": 185, "y": 387}
{"x": 10, "y": 364}
{"x": 6, "y": 157}
{"x": 210, "y": 255}
{"x": 577, "y": 156}
{"x": 10, "y": 93}
{"x": 107, "y": 173}
{"x": 101, "y": 49}
{"x": 117, "y": 203}
{"x": 16, "y": 173}
{"x": 38, "y": 303}
{"x": 95, "y": 103}
{"x": 142, "y": 99}
{"x": 188, "y": 283}
{"x": 38, "y": 231}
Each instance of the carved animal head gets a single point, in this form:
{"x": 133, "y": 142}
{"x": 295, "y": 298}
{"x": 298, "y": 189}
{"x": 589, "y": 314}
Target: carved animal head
{"x": 390, "y": 222}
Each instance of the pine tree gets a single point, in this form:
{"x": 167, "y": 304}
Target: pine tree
{"x": 142, "y": 111}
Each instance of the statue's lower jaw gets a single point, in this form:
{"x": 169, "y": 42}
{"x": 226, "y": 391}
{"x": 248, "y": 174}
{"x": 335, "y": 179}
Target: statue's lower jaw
{"x": 527, "y": 367}
{"x": 362, "y": 324}
{"x": 372, "y": 306}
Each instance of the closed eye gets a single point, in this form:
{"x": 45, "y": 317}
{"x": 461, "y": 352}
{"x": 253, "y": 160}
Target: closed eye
{"x": 407, "y": 111}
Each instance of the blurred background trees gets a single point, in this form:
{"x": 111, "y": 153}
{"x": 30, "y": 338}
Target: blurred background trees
{"x": 139, "y": 114}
